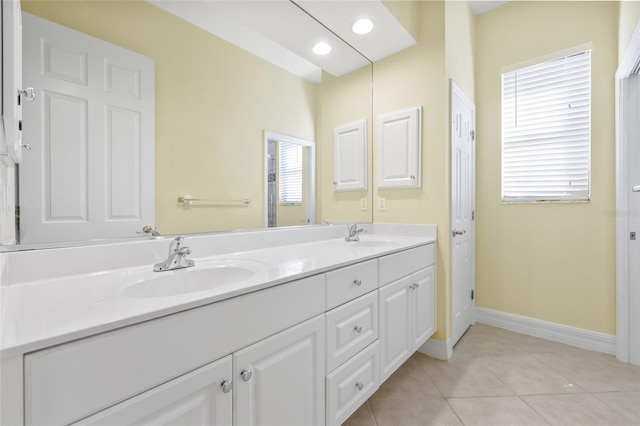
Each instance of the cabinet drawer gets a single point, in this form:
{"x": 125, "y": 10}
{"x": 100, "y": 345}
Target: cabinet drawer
{"x": 350, "y": 328}
{"x": 67, "y": 382}
{"x": 395, "y": 266}
{"x": 351, "y": 384}
{"x": 350, "y": 282}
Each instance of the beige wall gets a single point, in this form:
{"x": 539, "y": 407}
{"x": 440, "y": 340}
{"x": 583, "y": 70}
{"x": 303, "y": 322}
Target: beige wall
{"x": 628, "y": 18}
{"x": 416, "y": 76}
{"x": 554, "y": 262}
{"x": 342, "y": 100}
{"x": 213, "y": 101}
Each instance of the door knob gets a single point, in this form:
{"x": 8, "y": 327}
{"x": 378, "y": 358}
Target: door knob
{"x": 226, "y": 386}
{"x": 246, "y": 375}
{"x": 28, "y": 94}
{"x": 456, "y": 233}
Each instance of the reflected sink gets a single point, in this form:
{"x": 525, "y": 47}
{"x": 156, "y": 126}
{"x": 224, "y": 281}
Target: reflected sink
{"x": 206, "y": 275}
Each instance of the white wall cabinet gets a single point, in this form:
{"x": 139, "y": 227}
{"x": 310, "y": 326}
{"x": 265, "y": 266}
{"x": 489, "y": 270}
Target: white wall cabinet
{"x": 350, "y": 157}
{"x": 407, "y": 318}
{"x": 202, "y": 397}
{"x": 280, "y": 380}
{"x": 399, "y": 147}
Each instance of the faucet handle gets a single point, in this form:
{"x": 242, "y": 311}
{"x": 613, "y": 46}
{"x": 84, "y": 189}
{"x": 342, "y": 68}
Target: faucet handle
{"x": 176, "y": 244}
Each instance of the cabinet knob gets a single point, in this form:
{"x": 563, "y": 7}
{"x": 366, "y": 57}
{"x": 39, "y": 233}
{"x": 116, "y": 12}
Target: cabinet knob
{"x": 357, "y": 282}
{"x": 226, "y": 386}
{"x": 358, "y": 328}
{"x": 359, "y": 386}
{"x": 416, "y": 285}
{"x": 412, "y": 286}
{"x": 412, "y": 177}
{"x": 246, "y": 375}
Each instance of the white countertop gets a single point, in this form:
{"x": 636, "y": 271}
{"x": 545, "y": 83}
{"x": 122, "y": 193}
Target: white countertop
{"x": 42, "y": 312}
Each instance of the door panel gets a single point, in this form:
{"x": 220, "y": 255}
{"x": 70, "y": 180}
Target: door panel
{"x": 395, "y": 325}
{"x": 285, "y": 385}
{"x": 462, "y": 211}
{"x": 423, "y": 304}
{"x": 90, "y": 172}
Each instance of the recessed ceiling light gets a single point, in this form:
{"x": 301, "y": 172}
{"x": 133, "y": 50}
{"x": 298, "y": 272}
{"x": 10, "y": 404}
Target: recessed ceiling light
{"x": 321, "y": 48}
{"x": 362, "y": 26}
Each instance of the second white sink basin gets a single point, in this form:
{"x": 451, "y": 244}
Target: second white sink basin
{"x": 206, "y": 275}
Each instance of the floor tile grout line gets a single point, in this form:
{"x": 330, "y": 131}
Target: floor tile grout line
{"x": 533, "y": 408}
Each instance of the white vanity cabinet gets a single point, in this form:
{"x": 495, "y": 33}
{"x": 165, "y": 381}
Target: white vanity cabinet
{"x": 201, "y": 397}
{"x": 304, "y": 352}
{"x": 407, "y": 306}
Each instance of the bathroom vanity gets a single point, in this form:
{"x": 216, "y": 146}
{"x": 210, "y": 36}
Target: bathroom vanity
{"x": 283, "y": 326}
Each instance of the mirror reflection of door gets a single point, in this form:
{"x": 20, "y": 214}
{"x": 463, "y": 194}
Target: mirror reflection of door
{"x": 289, "y": 181}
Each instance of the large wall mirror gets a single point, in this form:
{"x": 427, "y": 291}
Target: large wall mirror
{"x": 211, "y": 105}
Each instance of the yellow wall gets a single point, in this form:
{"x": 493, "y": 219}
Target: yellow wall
{"x": 628, "y": 18}
{"x": 213, "y": 101}
{"x": 342, "y": 100}
{"x": 460, "y": 46}
{"x": 554, "y": 262}
{"x": 416, "y": 76}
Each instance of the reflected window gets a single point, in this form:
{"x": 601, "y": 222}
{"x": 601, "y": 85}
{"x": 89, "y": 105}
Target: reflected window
{"x": 290, "y": 170}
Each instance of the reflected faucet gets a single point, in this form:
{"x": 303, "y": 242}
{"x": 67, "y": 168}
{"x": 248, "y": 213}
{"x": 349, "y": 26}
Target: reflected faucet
{"x": 177, "y": 257}
{"x": 353, "y": 232}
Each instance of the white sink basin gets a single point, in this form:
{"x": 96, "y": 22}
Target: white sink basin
{"x": 206, "y": 275}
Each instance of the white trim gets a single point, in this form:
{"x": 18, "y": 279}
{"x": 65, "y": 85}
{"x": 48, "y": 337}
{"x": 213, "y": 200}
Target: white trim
{"x": 437, "y": 349}
{"x": 581, "y": 338}
{"x": 310, "y": 166}
{"x": 625, "y": 310}
{"x": 548, "y": 57}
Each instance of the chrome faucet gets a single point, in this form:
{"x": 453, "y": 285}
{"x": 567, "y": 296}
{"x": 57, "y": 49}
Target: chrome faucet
{"x": 353, "y": 232}
{"x": 177, "y": 257}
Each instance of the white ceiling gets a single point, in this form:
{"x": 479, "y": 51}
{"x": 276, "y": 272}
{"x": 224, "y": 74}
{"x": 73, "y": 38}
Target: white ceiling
{"x": 481, "y": 6}
{"x": 280, "y": 32}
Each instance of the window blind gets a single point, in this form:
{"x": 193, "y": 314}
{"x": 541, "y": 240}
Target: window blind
{"x": 290, "y": 166}
{"x": 546, "y": 136}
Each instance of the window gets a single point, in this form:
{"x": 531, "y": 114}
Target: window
{"x": 546, "y": 136}
{"x": 290, "y": 167}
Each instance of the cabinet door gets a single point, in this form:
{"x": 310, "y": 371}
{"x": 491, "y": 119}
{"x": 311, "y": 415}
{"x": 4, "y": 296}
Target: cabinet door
{"x": 197, "y": 398}
{"x": 350, "y": 157}
{"x": 423, "y": 306}
{"x": 280, "y": 380}
{"x": 395, "y": 323}
{"x": 399, "y": 149}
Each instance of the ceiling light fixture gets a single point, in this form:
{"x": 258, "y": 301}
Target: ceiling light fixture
{"x": 362, "y": 26}
{"x": 321, "y": 48}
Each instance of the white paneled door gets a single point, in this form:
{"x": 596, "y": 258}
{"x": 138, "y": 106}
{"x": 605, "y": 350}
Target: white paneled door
{"x": 90, "y": 170}
{"x": 462, "y": 212}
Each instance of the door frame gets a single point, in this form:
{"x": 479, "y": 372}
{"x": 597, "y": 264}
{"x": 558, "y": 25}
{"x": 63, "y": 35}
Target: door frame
{"x": 454, "y": 88}
{"x": 310, "y": 165}
{"x": 627, "y": 275}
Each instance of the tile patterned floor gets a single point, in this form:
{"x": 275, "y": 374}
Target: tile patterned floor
{"x": 497, "y": 377}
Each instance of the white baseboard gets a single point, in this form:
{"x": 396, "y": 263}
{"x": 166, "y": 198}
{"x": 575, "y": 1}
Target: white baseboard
{"x": 585, "y": 339}
{"x": 437, "y": 349}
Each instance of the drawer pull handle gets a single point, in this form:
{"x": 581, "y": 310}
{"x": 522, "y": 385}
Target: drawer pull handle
{"x": 226, "y": 386}
{"x": 246, "y": 375}
{"x": 357, "y": 282}
{"x": 359, "y": 386}
{"x": 358, "y": 328}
